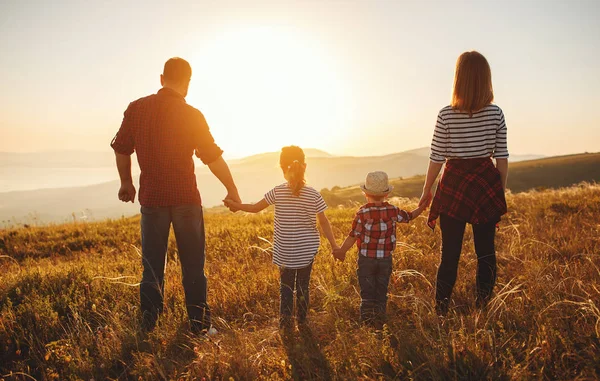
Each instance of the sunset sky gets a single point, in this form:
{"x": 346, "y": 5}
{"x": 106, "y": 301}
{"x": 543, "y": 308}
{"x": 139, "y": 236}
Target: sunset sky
{"x": 348, "y": 77}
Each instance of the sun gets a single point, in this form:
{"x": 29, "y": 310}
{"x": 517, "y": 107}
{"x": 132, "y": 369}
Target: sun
{"x": 262, "y": 88}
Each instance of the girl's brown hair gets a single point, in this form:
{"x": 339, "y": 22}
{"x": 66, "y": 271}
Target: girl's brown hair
{"x": 293, "y": 164}
{"x": 472, "y": 83}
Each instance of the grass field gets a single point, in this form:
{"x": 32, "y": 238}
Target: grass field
{"x": 69, "y": 304}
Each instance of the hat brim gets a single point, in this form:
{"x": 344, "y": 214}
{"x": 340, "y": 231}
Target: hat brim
{"x": 373, "y": 193}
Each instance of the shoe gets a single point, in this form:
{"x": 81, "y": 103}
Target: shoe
{"x": 212, "y": 331}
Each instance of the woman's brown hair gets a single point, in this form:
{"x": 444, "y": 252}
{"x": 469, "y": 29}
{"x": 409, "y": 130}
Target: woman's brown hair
{"x": 292, "y": 161}
{"x": 472, "y": 83}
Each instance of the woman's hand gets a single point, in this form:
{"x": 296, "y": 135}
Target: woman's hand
{"x": 426, "y": 198}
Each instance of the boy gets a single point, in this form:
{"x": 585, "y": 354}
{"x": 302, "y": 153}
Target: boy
{"x": 374, "y": 232}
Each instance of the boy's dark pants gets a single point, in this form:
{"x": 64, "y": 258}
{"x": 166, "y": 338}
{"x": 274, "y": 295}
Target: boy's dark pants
{"x": 452, "y": 239}
{"x": 291, "y": 279}
{"x": 373, "y": 279}
{"x": 188, "y": 225}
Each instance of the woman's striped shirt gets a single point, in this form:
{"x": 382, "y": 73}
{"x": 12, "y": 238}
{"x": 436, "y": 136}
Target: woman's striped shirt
{"x": 460, "y": 136}
{"x": 296, "y": 237}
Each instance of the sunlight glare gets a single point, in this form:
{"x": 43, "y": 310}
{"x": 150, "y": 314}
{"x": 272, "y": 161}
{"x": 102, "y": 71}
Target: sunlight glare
{"x": 262, "y": 88}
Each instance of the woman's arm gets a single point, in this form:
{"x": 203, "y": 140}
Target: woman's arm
{"x": 432, "y": 173}
{"x": 502, "y": 165}
{"x": 250, "y": 208}
{"x": 327, "y": 231}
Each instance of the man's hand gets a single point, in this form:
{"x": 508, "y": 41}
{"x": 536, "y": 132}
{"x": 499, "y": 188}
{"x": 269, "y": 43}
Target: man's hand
{"x": 234, "y": 196}
{"x": 127, "y": 192}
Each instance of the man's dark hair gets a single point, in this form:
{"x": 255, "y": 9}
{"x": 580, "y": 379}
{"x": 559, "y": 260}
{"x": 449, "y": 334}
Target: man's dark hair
{"x": 177, "y": 69}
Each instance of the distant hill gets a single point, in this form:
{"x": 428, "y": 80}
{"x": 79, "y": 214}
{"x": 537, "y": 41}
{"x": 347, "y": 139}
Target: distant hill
{"x": 554, "y": 172}
{"x": 254, "y": 175}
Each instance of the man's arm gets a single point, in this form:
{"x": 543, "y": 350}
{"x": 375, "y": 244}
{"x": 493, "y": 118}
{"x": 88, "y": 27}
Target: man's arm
{"x": 127, "y": 190}
{"x": 220, "y": 169}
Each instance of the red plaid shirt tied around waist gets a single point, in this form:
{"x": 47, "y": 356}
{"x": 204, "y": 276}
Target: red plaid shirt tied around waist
{"x": 165, "y": 131}
{"x": 374, "y": 228}
{"x": 470, "y": 190}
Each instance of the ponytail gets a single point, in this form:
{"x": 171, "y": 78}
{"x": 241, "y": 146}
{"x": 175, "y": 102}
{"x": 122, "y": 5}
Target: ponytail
{"x": 296, "y": 177}
{"x": 292, "y": 163}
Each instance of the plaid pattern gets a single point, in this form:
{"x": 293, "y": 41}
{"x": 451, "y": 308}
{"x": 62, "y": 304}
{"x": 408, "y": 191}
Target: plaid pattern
{"x": 165, "y": 132}
{"x": 375, "y": 229}
{"x": 470, "y": 190}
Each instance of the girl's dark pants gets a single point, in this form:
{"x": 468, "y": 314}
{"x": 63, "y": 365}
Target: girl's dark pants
{"x": 452, "y": 239}
{"x": 291, "y": 279}
{"x": 373, "y": 279}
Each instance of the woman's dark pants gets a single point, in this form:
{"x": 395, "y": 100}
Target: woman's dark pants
{"x": 452, "y": 239}
{"x": 291, "y": 279}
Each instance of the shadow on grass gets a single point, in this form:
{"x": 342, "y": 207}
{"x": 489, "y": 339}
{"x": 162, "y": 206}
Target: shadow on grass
{"x": 305, "y": 355}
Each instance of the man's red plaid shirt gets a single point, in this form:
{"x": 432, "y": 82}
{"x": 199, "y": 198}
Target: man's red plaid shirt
{"x": 165, "y": 131}
{"x": 374, "y": 228}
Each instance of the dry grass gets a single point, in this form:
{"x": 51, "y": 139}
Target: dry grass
{"x": 69, "y": 304}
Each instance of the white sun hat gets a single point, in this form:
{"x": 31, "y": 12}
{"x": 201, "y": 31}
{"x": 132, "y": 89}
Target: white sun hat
{"x": 376, "y": 184}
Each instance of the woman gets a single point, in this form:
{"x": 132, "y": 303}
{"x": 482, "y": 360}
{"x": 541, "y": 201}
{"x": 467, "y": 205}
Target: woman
{"x": 468, "y": 134}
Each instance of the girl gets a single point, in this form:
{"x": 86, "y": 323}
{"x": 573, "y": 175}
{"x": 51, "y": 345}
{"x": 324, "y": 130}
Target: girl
{"x": 468, "y": 134}
{"x": 296, "y": 237}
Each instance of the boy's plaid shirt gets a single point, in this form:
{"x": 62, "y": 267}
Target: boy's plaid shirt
{"x": 375, "y": 229}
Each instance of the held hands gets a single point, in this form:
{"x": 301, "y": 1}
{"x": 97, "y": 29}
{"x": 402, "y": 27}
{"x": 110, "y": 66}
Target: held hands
{"x": 425, "y": 200}
{"x": 417, "y": 212}
{"x": 339, "y": 254}
{"x": 233, "y": 206}
{"x": 232, "y": 200}
{"x": 127, "y": 192}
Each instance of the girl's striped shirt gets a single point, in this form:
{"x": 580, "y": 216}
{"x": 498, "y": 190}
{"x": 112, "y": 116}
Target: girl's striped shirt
{"x": 296, "y": 237}
{"x": 459, "y": 136}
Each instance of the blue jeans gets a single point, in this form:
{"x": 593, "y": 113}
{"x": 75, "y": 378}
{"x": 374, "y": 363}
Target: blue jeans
{"x": 373, "y": 279}
{"x": 291, "y": 279}
{"x": 188, "y": 225}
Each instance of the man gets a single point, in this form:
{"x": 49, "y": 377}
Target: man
{"x": 165, "y": 132}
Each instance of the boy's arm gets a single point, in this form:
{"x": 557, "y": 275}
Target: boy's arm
{"x": 250, "y": 208}
{"x": 348, "y": 243}
{"x": 327, "y": 231}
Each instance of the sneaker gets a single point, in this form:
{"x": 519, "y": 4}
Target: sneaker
{"x": 212, "y": 331}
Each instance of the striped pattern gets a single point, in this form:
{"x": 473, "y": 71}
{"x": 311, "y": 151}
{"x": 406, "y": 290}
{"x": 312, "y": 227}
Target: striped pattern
{"x": 296, "y": 237}
{"x": 459, "y": 136}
